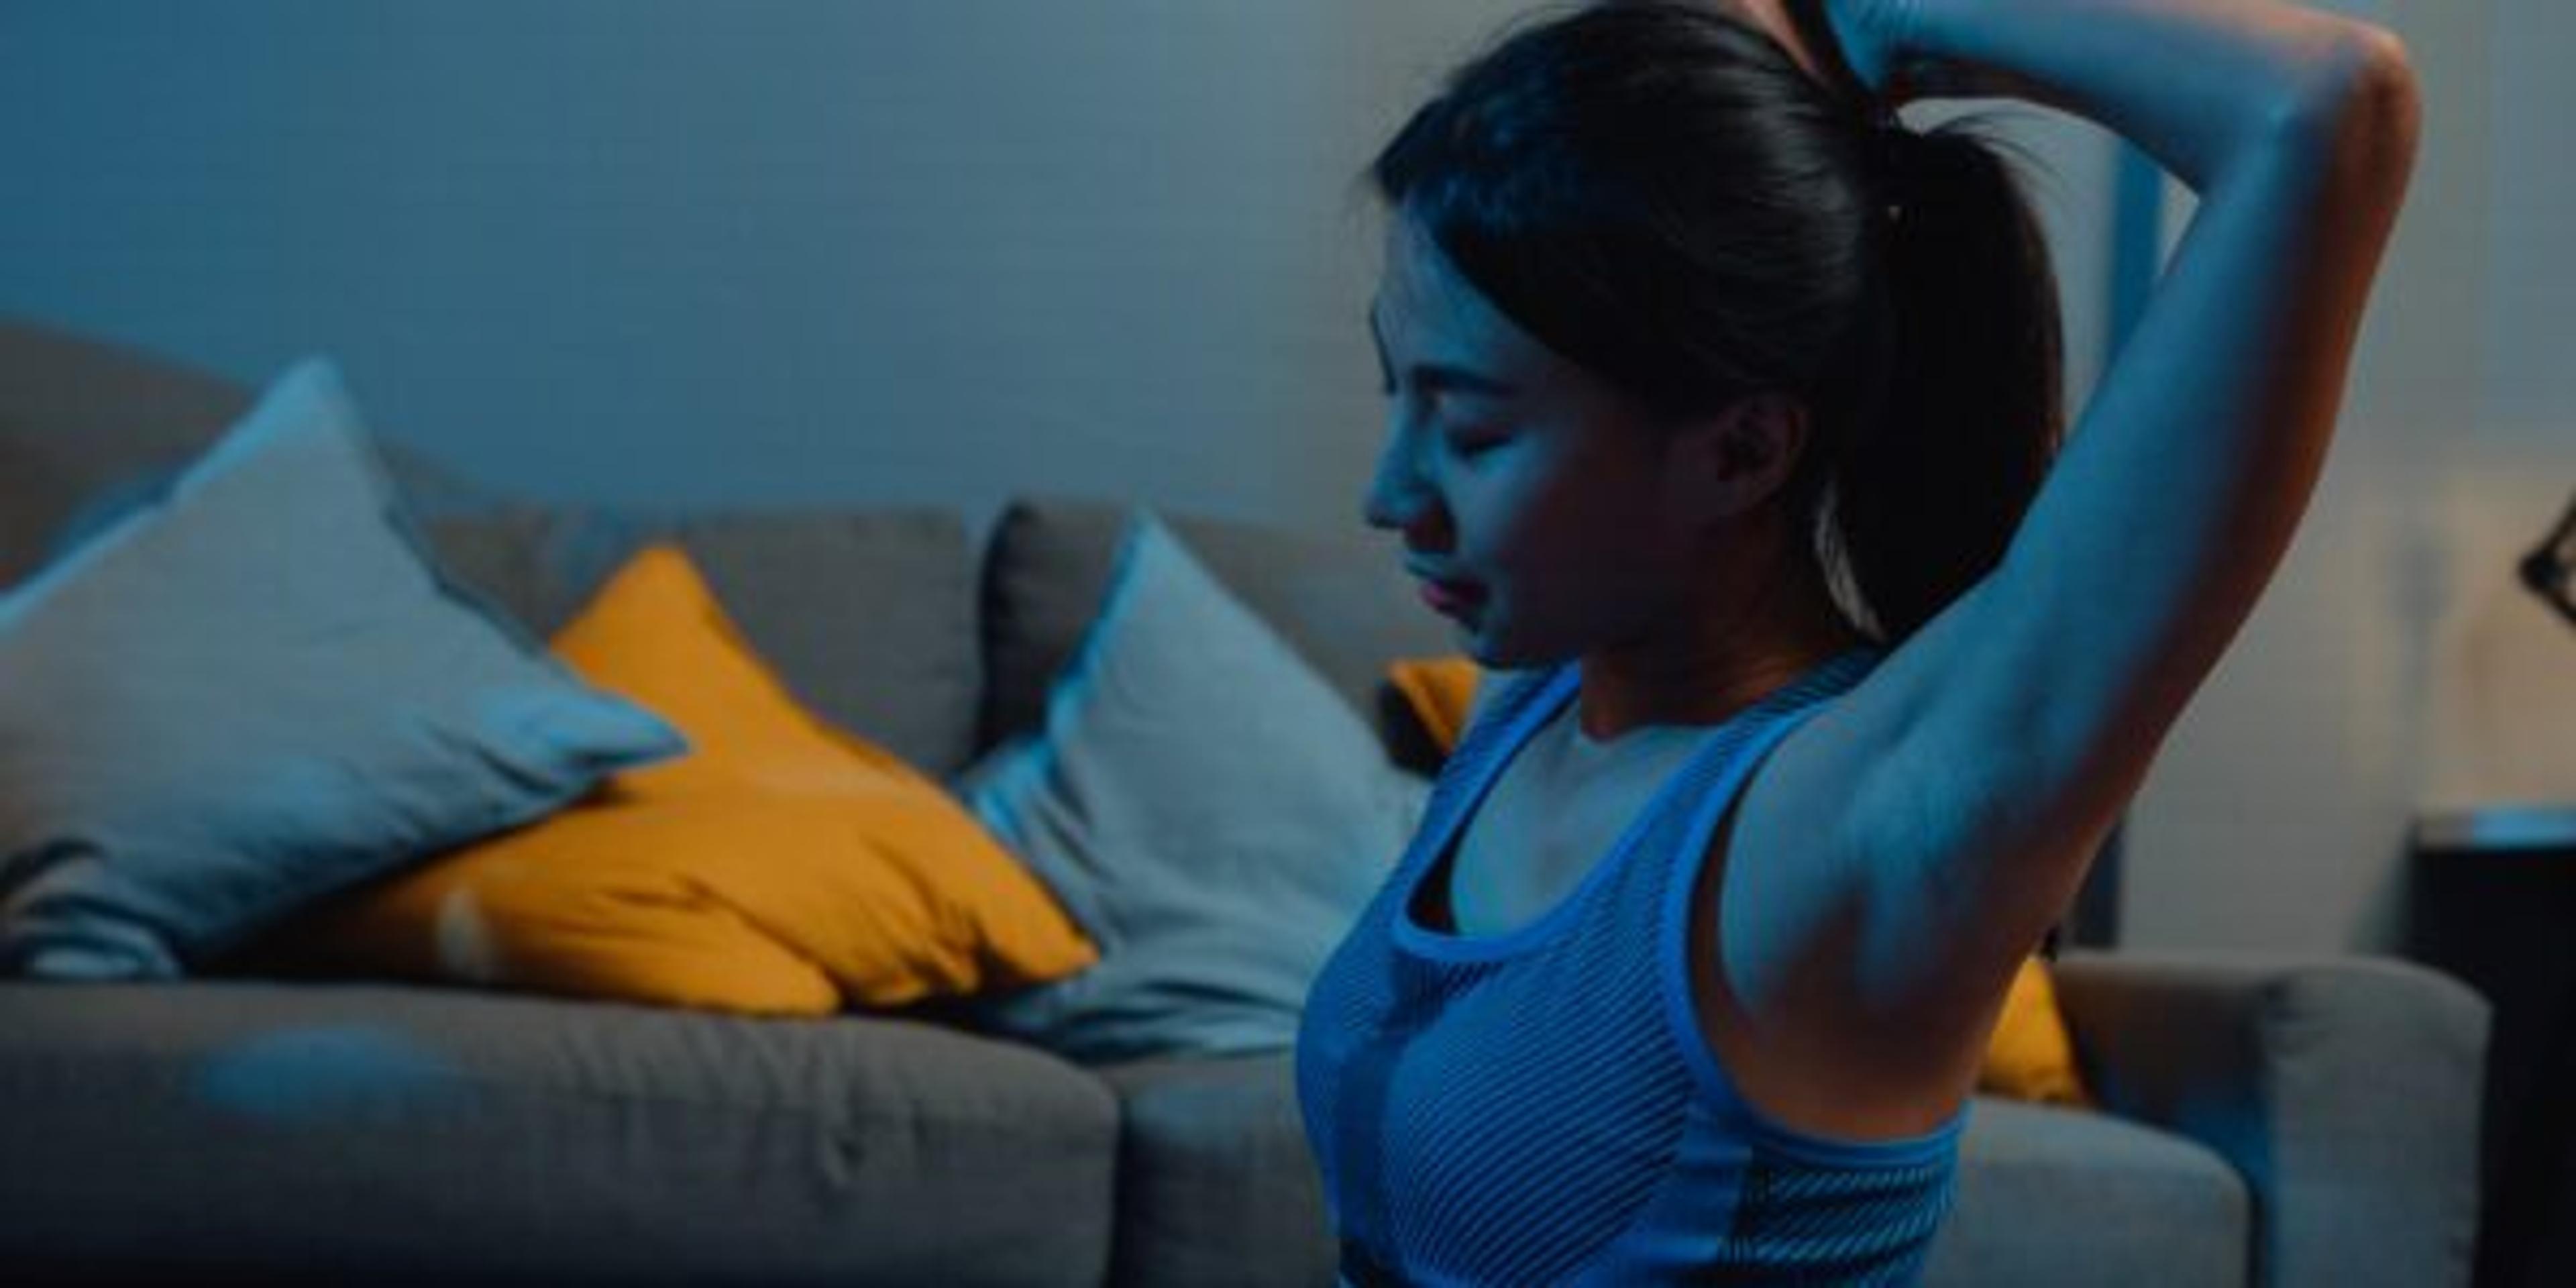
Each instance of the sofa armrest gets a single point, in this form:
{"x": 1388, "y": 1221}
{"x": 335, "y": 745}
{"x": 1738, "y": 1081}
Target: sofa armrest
{"x": 2345, "y": 1089}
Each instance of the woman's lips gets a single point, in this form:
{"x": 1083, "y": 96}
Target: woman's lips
{"x": 1450, "y": 596}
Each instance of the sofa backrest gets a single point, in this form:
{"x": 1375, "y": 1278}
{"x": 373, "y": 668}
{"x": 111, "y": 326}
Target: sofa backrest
{"x": 868, "y": 615}
{"x": 85, "y": 425}
{"x": 1342, "y": 601}
{"x": 877, "y": 617}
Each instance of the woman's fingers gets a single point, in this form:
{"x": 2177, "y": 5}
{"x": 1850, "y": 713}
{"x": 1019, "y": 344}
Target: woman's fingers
{"x": 1851, "y": 47}
{"x": 1810, "y": 46}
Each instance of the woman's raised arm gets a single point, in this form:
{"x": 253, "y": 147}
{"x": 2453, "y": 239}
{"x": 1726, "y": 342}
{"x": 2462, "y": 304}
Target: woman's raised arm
{"x": 1997, "y": 745}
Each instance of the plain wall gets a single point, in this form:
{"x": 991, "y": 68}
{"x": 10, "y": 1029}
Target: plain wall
{"x": 2395, "y": 666}
{"x": 769, "y": 252}
{"x": 655, "y": 250}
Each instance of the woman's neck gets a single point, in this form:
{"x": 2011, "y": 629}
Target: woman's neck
{"x": 1724, "y": 653}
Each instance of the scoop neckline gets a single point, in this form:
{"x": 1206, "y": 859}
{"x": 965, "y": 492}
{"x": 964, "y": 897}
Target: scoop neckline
{"x": 1556, "y": 691}
{"x": 1587, "y": 745}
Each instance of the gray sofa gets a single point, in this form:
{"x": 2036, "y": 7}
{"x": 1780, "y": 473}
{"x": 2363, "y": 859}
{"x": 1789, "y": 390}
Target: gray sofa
{"x": 2270, "y": 1121}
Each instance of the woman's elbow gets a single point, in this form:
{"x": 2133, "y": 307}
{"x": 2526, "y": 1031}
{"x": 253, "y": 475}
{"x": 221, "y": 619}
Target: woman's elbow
{"x": 2387, "y": 93}
{"x": 2364, "y": 102}
{"x": 2355, "y": 119}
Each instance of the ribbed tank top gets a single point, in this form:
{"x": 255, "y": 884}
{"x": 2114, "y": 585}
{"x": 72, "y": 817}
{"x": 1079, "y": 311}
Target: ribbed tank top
{"x": 1539, "y": 1106}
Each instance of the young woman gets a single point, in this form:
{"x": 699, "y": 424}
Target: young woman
{"x": 1726, "y": 427}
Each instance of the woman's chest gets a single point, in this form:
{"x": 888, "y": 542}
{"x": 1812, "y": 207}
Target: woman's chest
{"x": 1553, "y": 817}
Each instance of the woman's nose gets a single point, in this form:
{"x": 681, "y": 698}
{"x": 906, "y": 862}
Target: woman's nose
{"x": 1396, "y": 497}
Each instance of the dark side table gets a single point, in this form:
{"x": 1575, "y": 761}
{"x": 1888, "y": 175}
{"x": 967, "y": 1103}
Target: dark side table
{"x": 2492, "y": 901}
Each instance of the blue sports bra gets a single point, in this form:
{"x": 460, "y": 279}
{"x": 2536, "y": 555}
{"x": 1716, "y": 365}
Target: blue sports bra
{"x": 1540, "y": 1107}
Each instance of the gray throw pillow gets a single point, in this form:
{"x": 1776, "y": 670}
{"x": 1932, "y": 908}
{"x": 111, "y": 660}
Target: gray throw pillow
{"x": 1206, "y": 806}
{"x": 254, "y": 690}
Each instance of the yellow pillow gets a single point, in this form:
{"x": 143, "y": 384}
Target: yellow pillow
{"x": 782, "y": 867}
{"x": 2029, "y": 1057}
{"x": 1439, "y": 691}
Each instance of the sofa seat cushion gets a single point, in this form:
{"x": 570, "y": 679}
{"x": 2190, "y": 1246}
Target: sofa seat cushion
{"x": 245, "y": 1129}
{"x": 1216, "y": 1184}
{"x": 2049, "y": 1194}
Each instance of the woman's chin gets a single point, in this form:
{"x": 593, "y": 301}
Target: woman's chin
{"x": 1482, "y": 646}
{"x": 1471, "y": 641}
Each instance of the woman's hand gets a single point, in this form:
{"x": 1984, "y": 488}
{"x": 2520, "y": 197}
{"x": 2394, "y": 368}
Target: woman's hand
{"x": 1872, "y": 52}
{"x": 1855, "y": 48}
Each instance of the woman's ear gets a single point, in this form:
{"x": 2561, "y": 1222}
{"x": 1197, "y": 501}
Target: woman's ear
{"x": 1730, "y": 463}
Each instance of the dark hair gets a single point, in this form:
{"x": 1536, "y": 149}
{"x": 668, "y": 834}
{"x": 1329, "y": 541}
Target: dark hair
{"x": 1658, "y": 193}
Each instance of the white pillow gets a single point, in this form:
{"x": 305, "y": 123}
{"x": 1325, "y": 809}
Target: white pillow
{"x": 1205, "y": 805}
{"x": 255, "y": 690}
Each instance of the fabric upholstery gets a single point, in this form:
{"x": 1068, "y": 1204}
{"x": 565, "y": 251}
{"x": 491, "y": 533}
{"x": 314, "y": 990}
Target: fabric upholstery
{"x": 495, "y": 552}
{"x": 246, "y": 1131}
{"x": 2030, "y": 1056}
{"x": 1440, "y": 694}
{"x": 1342, "y": 602}
{"x": 1217, "y": 1185}
{"x": 254, "y": 691}
{"x": 1213, "y": 816}
{"x": 89, "y": 429}
{"x": 782, "y": 867}
{"x": 2345, "y": 1089}
{"x": 2052, "y": 1195}
{"x": 635, "y": 1145}
{"x": 867, "y": 614}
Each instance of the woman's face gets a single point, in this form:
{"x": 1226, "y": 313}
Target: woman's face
{"x": 1513, "y": 474}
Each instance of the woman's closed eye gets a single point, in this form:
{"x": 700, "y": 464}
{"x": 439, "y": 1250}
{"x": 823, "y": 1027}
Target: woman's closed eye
{"x": 1463, "y": 442}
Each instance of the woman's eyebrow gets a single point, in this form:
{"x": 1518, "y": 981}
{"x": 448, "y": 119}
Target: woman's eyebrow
{"x": 1439, "y": 377}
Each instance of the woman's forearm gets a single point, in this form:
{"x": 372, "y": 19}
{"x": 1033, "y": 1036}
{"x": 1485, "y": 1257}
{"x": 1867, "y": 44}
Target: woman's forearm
{"x": 2195, "y": 83}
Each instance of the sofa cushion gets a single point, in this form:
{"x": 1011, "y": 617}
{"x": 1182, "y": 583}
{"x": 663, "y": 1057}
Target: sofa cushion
{"x": 1216, "y": 1183}
{"x": 252, "y": 692}
{"x": 1209, "y": 812}
{"x": 236, "y": 1130}
{"x": 869, "y": 614}
{"x": 1441, "y": 694}
{"x": 1342, "y": 601}
{"x": 2049, "y": 1194}
{"x": 783, "y": 866}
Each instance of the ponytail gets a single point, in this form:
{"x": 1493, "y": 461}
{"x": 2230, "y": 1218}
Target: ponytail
{"x": 1930, "y": 488}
